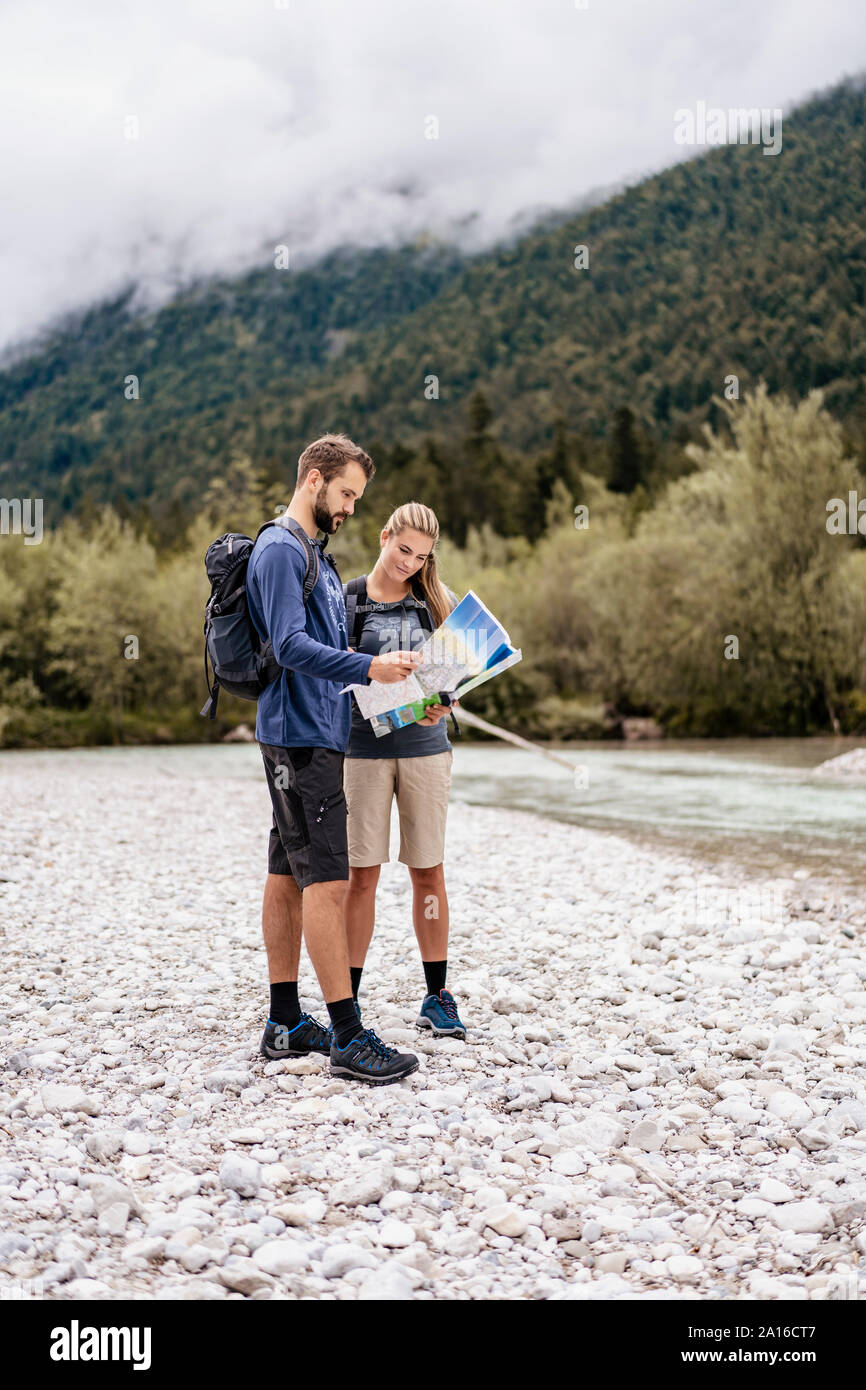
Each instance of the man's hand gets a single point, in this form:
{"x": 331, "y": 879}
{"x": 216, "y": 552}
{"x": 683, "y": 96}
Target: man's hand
{"x": 434, "y": 713}
{"x": 393, "y": 666}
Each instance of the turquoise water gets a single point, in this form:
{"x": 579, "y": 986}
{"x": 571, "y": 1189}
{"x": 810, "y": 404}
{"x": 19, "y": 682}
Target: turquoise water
{"x": 754, "y": 801}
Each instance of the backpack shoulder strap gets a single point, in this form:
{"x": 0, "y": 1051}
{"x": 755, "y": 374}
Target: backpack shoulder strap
{"x": 425, "y": 617}
{"x": 355, "y": 593}
{"x": 311, "y": 575}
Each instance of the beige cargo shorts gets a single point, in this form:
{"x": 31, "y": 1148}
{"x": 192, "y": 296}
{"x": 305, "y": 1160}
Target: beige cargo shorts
{"x": 421, "y": 786}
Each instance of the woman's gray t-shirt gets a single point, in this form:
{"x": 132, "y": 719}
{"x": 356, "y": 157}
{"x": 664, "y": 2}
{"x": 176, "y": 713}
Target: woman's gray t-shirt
{"x": 392, "y": 627}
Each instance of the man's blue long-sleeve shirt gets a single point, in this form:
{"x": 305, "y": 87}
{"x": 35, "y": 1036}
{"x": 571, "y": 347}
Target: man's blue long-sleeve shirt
{"x": 309, "y": 641}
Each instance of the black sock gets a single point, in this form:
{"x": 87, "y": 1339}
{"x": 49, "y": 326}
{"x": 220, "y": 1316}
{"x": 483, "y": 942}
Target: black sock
{"x": 344, "y": 1020}
{"x": 434, "y": 973}
{"x": 356, "y": 971}
{"x": 285, "y": 1005}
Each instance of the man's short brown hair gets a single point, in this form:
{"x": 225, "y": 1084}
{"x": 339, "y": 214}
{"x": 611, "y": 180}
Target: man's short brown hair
{"x": 330, "y": 454}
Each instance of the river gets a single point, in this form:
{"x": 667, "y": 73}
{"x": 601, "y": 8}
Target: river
{"x": 755, "y": 801}
{"x": 752, "y": 801}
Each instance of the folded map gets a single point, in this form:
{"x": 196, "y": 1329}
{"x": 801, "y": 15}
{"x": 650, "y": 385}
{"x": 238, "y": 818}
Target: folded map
{"x": 467, "y": 649}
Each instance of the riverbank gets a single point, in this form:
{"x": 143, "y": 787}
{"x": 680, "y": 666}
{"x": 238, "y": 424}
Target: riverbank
{"x": 46, "y": 727}
{"x": 663, "y": 1091}
{"x": 553, "y": 721}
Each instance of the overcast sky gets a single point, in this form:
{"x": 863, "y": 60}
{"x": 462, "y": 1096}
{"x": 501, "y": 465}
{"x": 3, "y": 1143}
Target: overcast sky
{"x": 305, "y": 124}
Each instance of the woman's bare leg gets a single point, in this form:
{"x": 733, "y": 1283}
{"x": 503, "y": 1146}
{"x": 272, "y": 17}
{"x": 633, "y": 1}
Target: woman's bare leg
{"x": 430, "y": 911}
{"x": 360, "y": 912}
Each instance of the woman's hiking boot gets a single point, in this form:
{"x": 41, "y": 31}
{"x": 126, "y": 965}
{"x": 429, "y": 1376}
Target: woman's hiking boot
{"x": 439, "y": 1014}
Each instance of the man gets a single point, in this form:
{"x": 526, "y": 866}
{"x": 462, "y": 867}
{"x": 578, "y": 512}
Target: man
{"x": 303, "y": 727}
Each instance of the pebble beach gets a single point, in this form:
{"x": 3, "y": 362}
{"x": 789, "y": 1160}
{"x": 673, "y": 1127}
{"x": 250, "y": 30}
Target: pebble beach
{"x": 662, "y": 1094}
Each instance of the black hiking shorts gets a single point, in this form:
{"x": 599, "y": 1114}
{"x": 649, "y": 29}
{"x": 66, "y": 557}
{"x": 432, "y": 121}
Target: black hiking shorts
{"x": 308, "y": 836}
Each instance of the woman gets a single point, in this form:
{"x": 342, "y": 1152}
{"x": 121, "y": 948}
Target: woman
{"x": 395, "y": 607}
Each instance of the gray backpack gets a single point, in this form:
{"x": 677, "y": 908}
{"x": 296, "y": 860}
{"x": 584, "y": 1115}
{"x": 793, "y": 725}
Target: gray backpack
{"x": 241, "y": 663}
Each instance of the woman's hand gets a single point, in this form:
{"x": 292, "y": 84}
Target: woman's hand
{"x": 436, "y": 712}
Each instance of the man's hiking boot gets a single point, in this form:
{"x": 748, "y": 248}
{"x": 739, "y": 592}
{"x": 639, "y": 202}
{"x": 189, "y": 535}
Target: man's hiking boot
{"x": 367, "y": 1058}
{"x": 307, "y": 1036}
{"x": 439, "y": 1014}
{"x": 331, "y": 1026}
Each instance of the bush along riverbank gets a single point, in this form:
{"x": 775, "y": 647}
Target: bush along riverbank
{"x": 44, "y": 727}
{"x": 724, "y": 603}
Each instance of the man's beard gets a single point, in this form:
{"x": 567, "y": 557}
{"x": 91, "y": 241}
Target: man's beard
{"x": 324, "y": 518}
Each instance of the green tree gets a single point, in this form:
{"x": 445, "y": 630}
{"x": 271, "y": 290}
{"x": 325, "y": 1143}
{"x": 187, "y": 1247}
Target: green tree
{"x": 626, "y": 466}
{"x": 105, "y": 635}
{"x": 740, "y": 550}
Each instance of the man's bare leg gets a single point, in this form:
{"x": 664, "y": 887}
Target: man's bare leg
{"x": 318, "y": 912}
{"x": 325, "y": 937}
{"x": 281, "y": 927}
